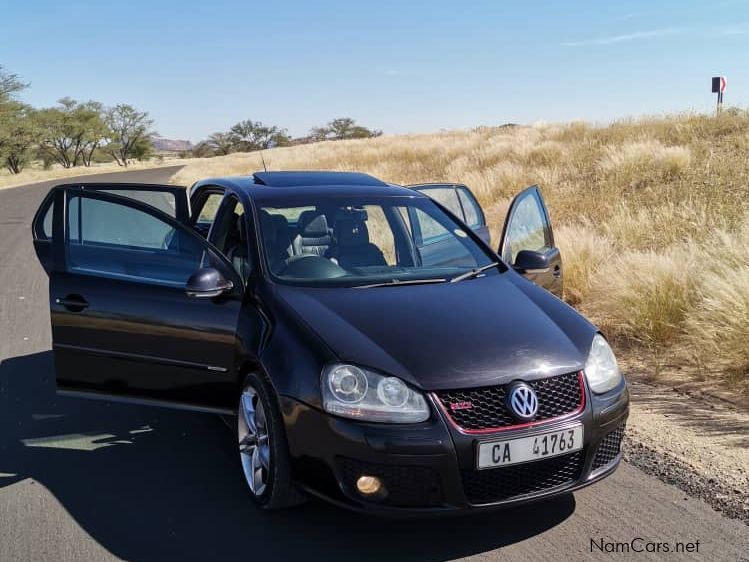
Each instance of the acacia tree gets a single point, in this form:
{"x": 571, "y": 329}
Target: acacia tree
{"x": 343, "y": 128}
{"x": 251, "y": 135}
{"x": 129, "y": 133}
{"x": 71, "y": 132}
{"x": 17, "y": 132}
{"x": 10, "y": 85}
{"x": 221, "y": 143}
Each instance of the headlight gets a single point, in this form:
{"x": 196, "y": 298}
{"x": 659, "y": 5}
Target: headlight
{"x": 601, "y": 368}
{"x": 357, "y": 393}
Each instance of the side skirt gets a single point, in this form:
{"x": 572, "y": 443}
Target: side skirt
{"x": 145, "y": 402}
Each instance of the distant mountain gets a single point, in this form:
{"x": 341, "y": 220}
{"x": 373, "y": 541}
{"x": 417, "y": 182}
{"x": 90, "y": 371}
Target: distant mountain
{"x": 160, "y": 144}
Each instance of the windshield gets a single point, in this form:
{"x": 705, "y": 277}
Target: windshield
{"x": 355, "y": 241}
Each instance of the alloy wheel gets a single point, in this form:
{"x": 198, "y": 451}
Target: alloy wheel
{"x": 254, "y": 441}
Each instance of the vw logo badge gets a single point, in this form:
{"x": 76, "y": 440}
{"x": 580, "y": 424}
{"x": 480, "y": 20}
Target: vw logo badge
{"x": 523, "y": 402}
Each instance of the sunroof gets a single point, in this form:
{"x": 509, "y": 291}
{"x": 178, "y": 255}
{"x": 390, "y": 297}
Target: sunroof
{"x": 295, "y": 179}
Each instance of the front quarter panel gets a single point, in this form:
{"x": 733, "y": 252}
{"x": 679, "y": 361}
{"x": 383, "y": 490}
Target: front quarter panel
{"x": 293, "y": 356}
{"x": 576, "y": 327}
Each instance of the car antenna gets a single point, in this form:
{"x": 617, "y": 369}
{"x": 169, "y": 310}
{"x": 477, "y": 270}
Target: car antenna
{"x": 265, "y": 169}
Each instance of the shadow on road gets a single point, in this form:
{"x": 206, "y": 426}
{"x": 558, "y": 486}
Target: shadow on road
{"x": 150, "y": 484}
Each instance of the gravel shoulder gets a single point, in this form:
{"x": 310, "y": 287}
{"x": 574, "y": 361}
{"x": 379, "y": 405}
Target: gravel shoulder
{"x": 698, "y": 443}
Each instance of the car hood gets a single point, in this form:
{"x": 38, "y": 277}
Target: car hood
{"x": 477, "y": 332}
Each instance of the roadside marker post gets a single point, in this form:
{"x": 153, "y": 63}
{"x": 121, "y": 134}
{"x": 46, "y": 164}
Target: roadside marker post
{"x": 719, "y": 86}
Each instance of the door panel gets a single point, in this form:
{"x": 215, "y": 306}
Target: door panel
{"x": 122, "y": 324}
{"x": 528, "y": 228}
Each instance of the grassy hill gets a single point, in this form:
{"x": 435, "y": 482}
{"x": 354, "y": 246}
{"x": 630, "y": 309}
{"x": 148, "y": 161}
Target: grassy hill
{"x": 652, "y": 216}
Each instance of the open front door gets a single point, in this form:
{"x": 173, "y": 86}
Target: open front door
{"x": 527, "y": 241}
{"x": 124, "y": 324}
{"x": 170, "y": 199}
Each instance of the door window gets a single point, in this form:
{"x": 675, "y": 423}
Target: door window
{"x": 528, "y": 228}
{"x": 47, "y": 221}
{"x": 230, "y": 236}
{"x": 114, "y": 239}
{"x": 471, "y": 210}
{"x": 447, "y": 197}
{"x": 205, "y": 212}
{"x": 164, "y": 201}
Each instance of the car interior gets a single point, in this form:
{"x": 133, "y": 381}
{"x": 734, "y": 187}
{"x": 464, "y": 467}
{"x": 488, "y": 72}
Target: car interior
{"x": 328, "y": 240}
{"x": 346, "y": 244}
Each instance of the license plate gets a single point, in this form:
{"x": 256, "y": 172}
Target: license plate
{"x": 535, "y": 447}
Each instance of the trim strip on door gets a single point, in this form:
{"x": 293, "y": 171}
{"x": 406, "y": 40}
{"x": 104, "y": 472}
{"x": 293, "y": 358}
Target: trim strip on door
{"x": 139, "y": 357}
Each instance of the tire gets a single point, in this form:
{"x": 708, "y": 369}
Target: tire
{"x": 263, "y": 450}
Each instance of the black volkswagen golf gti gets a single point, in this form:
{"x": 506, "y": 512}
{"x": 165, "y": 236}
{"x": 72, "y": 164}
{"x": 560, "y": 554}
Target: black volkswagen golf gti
{"x": 372, "y": 347}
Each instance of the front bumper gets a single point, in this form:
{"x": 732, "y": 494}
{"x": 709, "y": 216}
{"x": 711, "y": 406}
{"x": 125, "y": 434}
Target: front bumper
{"x": 430, "y": 467}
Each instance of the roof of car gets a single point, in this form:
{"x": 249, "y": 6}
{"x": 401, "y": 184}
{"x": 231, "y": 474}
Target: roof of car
{"x": 278, "y": 186}
{"x": 297, "y": 179}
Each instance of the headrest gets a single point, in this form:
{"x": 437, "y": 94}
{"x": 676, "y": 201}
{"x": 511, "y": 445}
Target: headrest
{"x": 268, "y": 228}
{"x": 313, "y": 224}
{"x": 240, "y": 226}
{"x": 281, "y": 225}
{"x": 351, "y": 232}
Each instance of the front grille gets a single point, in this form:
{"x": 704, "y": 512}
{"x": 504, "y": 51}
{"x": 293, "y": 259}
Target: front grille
{"x": 557, "y": 396}
{"x": 609, "y": 447}
{"x": 407, "y": 486}
{"x": 498, "y": 484}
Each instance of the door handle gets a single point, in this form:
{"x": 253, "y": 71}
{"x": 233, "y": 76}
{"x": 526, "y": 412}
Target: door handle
{"x": 557, "y": 271}
{"x": 74, "y": 303}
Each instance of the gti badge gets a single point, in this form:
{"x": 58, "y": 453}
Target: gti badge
{"x": 462, "y": 405}
{"x": 522, "y": 401}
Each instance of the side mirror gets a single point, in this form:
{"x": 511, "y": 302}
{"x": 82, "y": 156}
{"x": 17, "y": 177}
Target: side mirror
{"x": 529, "y": 261}
{"x": 207, "y": 283}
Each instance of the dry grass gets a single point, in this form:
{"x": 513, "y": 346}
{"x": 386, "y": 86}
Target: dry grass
{"x": 651, "y": 213}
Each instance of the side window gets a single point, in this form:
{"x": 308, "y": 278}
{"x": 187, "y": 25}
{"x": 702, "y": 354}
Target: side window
{"x": 470, "y": 208}
{"x": 438, "y": 247}
{"x": 115, "y": 240}
{"x": 447, "y": 197}
{"x": 528, "y": 228}
{"x": 230, "y": 236}
{"x": 47, "y": 222}
{"x": 163, "y": 200}
{"x": 206, "y": 213}
{"x": 380, "y": 233}
{"x": 93, "y": 221}
{"x": 431, "y": 230}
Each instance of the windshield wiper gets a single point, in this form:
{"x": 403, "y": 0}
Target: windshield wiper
{"x": 473, "y": 272}
{"x": 394, "y": 282}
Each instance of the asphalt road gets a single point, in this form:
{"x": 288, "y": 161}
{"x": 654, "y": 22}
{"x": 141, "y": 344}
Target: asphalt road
{"x": 86, "y": 480}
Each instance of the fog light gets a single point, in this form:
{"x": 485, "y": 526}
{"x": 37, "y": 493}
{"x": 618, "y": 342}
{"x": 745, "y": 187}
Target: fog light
{"x": 368, "y": 485}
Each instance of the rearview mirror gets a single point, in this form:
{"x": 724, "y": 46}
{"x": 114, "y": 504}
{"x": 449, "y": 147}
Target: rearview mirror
{"x": 529, "y": 261}
{"x": 207, "y": 283}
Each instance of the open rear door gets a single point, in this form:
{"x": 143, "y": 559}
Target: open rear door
{"x": 527, "y": 241}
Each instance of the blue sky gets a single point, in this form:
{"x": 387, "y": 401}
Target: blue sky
{"x": 400, "y": 66}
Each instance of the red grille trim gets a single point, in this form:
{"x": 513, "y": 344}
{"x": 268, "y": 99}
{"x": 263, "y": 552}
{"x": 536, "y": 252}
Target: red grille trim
{"x": 580, "y": 408}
